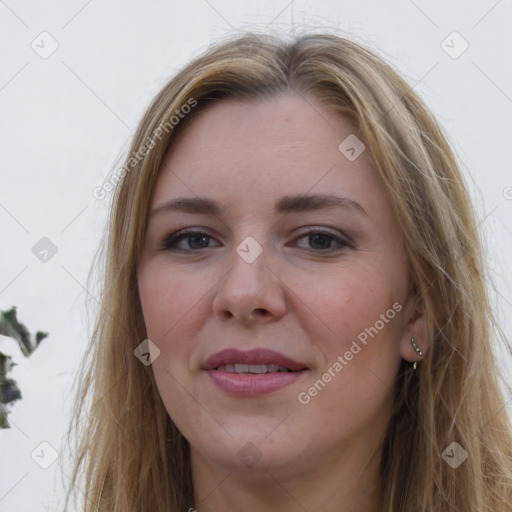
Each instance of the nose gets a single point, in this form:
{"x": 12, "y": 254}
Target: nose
{"x": 250, "y": 292}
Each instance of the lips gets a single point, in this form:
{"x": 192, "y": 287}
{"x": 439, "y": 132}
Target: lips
{"x": 252, "y": 373}
{"x": 251, "y": 368}
{"x": 255, "y": 357}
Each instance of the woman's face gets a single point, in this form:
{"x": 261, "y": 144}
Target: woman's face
{"x": 293, "y": 261}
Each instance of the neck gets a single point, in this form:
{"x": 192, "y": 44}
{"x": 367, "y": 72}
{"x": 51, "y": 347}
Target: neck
{"x": 346, "y": 481}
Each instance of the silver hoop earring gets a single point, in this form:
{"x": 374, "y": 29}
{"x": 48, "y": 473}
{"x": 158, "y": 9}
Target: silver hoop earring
{"x": 418, "y": 351}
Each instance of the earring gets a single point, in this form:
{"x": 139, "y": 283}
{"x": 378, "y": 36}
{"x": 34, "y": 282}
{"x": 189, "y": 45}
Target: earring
{"x": 418, "y": 350}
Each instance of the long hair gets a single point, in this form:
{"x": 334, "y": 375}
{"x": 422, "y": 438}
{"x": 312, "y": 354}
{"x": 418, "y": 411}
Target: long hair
{"x": 129, "y": 453}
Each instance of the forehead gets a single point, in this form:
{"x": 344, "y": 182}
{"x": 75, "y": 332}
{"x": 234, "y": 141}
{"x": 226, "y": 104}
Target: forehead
{"x": 254, "y": 151}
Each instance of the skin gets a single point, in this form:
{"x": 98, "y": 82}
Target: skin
{"x": 296, "y": 298}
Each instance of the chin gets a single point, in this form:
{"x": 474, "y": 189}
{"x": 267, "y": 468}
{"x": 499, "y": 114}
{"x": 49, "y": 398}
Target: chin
{"x": 250, "y": 450}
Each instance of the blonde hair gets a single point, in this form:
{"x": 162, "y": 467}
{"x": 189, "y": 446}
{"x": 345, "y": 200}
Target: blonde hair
{"x": 130, "y": 452}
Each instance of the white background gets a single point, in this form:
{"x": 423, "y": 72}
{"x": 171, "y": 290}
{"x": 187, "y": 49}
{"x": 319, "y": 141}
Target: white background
{"x": 65, "y": 119}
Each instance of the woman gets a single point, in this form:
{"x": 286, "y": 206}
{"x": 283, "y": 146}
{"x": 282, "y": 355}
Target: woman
{"x": 294, "y": 314}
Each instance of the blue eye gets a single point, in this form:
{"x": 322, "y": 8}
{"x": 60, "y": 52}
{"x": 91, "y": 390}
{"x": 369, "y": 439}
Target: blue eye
{"x": 196, "y": 241}
{"x": 320, "y": 241}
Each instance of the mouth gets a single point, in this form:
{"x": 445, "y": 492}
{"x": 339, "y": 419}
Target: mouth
{"x": 254, "y": 372}
{"x": 258, "y": 360}
{"x": 251, "y": 368}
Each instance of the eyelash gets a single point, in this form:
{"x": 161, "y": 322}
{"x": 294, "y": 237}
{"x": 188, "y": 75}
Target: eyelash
{"x": 169, "y": 242}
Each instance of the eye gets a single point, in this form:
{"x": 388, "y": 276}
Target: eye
{"x": 321, "y": 241}
{"x": 194, "y": 239}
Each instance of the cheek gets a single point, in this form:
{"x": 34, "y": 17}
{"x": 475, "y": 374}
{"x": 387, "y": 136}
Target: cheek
{"x": 170, "y": 301}
{"x": 360, "y": 359}
{"x": 175, "y": 303}
{"x": 167, "y": 297}
{"x": 347, "y": 301}
{"x": 362, "y": 320}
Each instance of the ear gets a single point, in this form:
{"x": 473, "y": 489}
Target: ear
{"x": 415, "y": 327}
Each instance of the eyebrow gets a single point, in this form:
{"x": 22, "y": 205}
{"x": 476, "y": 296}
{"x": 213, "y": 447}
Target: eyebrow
{"x": 287, "y": 204}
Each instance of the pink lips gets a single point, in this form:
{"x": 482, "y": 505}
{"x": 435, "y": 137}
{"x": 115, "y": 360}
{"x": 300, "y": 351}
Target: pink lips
{"x": 252, "y": 384}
